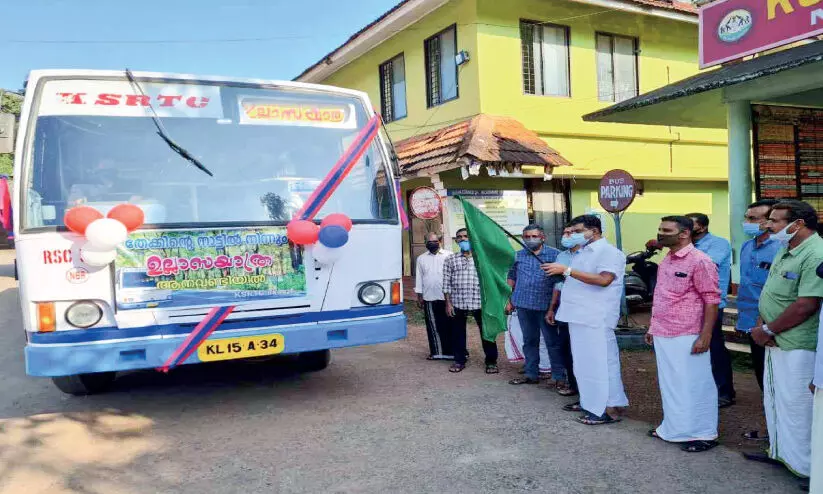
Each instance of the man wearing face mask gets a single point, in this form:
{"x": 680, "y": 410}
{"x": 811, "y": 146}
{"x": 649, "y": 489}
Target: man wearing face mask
{"x": 756, "y": 257}
{"x": 590, "y": 304}
{"x": 462, "y": 290}
{"x": 531, "y": 291}
{"x": 428, "y": 284}
{"x": 720, "y": 251}
{"x": 565, "y": 258}
{"x": 686, "y": 298}
{"x": 789, "y": 318}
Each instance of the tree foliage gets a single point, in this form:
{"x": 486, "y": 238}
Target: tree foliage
{"x": 11, "y": 103}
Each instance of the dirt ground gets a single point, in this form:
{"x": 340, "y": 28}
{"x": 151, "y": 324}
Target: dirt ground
{"x": 640, "y": 380}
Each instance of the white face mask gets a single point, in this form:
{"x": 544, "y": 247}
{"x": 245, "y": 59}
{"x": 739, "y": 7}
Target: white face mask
{"x": 783, "y": 236}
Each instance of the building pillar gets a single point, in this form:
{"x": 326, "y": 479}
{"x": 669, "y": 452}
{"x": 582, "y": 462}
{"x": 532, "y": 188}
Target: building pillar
{"x": 437, "y": 185}
{"x": 739, "y": 119}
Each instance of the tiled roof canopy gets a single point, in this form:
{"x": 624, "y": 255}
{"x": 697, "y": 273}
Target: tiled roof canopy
{"x": 502, "y": 144}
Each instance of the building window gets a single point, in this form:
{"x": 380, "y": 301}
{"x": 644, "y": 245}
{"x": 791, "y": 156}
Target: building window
{"x": 545, "y": 59}
{"x": 441, "y": 67}
{"x": 393, "y": 89}
{"x": 616, "y": 67}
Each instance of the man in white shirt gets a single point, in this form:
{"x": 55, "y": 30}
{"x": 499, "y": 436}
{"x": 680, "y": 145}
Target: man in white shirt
{"x": 428, "y": 284}
{"x": 590, "y": 304}
{"x": 816, "y": 388}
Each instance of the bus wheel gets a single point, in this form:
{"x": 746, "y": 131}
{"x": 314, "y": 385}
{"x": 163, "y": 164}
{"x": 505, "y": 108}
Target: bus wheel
{"x": 85, "y": 384}
{"x": 314, "y": 361}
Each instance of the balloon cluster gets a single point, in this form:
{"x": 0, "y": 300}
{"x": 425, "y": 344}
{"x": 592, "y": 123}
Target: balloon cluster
{"x": 325, "y": 241}
{"x": 103, "y": 234}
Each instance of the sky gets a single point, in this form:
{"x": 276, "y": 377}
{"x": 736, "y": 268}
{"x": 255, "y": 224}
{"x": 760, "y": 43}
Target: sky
{"x": 267, "y": 39}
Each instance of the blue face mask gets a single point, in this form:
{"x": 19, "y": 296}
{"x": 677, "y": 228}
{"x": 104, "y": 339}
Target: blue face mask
{"x": 465, "y": 246}
{"x": 578, "y": 238}
{"x": 752, "y": 229}
{"x": 567, "y": 242}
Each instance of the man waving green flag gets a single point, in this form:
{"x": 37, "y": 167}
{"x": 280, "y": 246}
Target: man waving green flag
{"x": 493, "y": 256}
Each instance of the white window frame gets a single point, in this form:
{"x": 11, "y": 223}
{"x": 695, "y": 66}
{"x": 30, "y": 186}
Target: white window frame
{"x": 533, "y": 60}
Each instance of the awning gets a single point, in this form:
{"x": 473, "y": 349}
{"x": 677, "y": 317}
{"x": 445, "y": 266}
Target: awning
{"x": 501, "y": 144}
{"x": 792, "y": 77}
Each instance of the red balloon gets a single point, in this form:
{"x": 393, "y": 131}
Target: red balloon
{"x": 128, "y": 214}
{"x": 337, "y": 219}
{"x": 302, "y": 232}
{"x": 78, "y": 218}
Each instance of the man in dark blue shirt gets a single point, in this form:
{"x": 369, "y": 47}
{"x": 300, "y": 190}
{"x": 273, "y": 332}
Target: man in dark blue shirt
{"x": 720, "y": 251}
{"x": 531, "y": 296}
{"x": 756, "y": 256}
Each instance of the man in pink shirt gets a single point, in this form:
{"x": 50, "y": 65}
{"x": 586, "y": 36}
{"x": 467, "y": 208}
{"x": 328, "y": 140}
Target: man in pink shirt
{"x": 686, "y": 301}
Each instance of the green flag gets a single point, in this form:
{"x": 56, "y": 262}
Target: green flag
{"x": 493, "y": 256}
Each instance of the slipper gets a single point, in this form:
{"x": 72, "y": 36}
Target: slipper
{"x": 724, "y": 402}
{"x": 563, "y": 389}
{"x": 492, "y": 369}
{"x": 573, "y": 407}
{"x": 653, "y": 433}
{"x": 594, "y": 420}
{"x": 698, "y": 446}
{"x": 457, "y": 368}
{"x": 523, "y": 380}
{"x": 755, "y": 436}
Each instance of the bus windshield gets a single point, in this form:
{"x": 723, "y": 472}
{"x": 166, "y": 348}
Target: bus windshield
{"x": 94, "y": 143}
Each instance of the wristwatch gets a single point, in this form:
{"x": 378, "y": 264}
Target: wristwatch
{"x": 767, "y": 330}
{"x": 567, "y": 272}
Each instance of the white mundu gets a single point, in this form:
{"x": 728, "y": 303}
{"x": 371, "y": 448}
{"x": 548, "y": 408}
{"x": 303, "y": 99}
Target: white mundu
{"x": 594, "y": 345}
{"x": 688, "y": 390}
{"x": 788, "y": 405}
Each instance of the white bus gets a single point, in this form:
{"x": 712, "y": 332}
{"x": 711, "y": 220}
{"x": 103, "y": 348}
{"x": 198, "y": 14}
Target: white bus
{"x": 218, "y": 166}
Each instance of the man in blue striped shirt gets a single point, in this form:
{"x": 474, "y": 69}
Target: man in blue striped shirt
{"x": 531, "y": 294}
{"x": 720, "y": 251}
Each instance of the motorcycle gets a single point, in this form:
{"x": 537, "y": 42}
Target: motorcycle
{"x": 642, "y": 278}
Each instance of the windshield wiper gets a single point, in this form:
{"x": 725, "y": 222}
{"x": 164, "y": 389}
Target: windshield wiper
{"x": 161, "y": 131}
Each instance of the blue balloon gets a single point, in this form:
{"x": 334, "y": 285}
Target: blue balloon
{"x": 333, "y": 236}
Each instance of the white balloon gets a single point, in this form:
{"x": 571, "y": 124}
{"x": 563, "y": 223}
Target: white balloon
{"x": 96, "y": 257}
{"x": 326, "y": 256}
{"x": 106, "y": 233}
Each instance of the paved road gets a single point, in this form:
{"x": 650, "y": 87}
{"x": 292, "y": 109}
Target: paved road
{"x": 380, "y": 419}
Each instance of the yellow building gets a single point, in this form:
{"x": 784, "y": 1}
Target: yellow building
{"x": 434, "y": 65}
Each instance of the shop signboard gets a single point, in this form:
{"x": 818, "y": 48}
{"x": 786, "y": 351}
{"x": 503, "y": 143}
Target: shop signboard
{"x": 733, "y": 29}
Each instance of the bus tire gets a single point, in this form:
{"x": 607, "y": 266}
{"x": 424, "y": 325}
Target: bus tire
{"x": 314, "y": 361}
{"x": 85, "y": 384}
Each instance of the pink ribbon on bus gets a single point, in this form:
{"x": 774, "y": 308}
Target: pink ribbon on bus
{"x": 340, "y": 171}
{"x": 201, "y": 332}
{"x": 404, "y": 218}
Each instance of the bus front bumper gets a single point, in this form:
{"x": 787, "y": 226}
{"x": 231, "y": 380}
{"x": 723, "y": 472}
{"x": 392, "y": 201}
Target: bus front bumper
{"x": 63, "y": 359}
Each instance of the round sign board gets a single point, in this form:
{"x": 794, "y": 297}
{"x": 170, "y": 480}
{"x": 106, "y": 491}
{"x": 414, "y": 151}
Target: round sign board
{"x": 425, "y": 203}
{"x": 616, "y": 191}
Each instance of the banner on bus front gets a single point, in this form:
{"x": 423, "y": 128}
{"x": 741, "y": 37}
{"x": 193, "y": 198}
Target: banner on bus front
{"x": 207, "y": 267}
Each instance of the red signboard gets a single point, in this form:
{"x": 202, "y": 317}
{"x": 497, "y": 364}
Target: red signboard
{"x": 425, "y": 203}
{"x": 617, "y": 190}
{"x": 732, "y": 29}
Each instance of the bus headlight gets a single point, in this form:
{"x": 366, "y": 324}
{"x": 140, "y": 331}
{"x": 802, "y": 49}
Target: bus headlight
{"x": 371, "y": 294}
{"x": 84, "y": 314}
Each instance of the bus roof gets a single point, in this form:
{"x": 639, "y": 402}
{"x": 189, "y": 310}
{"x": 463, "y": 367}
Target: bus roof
{"x": 35, "y": 75}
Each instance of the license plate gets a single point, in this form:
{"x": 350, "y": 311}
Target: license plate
{"x": 245, "y": 347}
